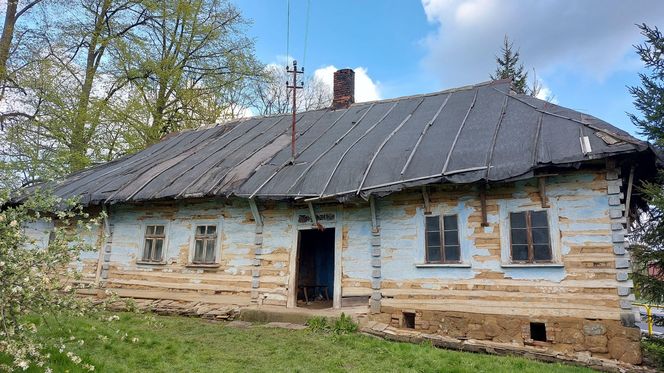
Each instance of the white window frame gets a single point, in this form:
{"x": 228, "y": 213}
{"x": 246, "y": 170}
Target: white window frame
{"x": 217, "y": 244}
{"x": 505, "y": 207}
{"x": 141, "y": 246}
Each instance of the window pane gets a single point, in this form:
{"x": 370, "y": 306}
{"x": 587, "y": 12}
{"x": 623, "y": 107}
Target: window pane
{"x": 433, "y": 239}
{"x": 450, "y": 222}
{"x": 540, "y": 235}
{"x": 211, "y": 229}
{"x": 538, "y": 219}
{"x": 520, "y": 252}
{"x": 147, "y": 249}
{"x": 198, "y": 251}
{"x": 519, "y": 237}
{"x": 209, "y": 256}
{"x": 518, "y": 219}
{"x": 433, "y": 223}
{"x": 149, "y": 230}
{"x": 158, "y": 246}
{"x": 452, "y": 253}
{"x": 451, "y": 238}
{"x": 159, "y": 230}
{"x": 542, "y": 252}
{"x": 433, "y": 254}
{"x": 200, "y": 230}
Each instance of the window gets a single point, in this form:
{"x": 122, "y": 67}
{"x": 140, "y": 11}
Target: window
{"x": 154, "y": 243}
{"x": 442, "y": 240}
{"x": 529, "y": 234}
{"x": 205, "y": 244}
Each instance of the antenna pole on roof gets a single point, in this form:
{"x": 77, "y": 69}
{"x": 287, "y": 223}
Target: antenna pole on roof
{"x": 294, "y": 86}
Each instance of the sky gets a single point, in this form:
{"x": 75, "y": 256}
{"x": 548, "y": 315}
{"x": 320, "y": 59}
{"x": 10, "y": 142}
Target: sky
{"x": 581, "y": 51}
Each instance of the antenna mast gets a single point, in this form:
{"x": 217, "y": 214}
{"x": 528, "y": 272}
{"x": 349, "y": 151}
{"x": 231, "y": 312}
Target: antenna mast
{"x": 294, "y": 86}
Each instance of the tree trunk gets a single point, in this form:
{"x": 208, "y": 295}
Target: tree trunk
{"x": 7, "y": 36}
{"x": 79, "y": 137}
{"x": 159, "y": 126}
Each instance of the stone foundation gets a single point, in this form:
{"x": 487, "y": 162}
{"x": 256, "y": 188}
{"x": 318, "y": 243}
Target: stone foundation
{"x": 605, "y": 339}
{"x": 211, "y": 311}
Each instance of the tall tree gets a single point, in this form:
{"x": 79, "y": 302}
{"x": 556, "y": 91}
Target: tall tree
{"x": 13, "y": 11}
{"x": 509, "y": 67}
{"x": 649, "y": 97}
{"x": 100, "y": 78}
{"x": 108, "y": 20}
{"x": 648, "y": 255}
{"x": 190, "y": 54}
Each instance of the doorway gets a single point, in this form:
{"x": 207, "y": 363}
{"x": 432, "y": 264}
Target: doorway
{"x": 315, "y": 268}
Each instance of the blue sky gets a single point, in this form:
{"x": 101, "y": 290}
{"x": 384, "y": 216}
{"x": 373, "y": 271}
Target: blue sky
{"x": 582, "y": 50}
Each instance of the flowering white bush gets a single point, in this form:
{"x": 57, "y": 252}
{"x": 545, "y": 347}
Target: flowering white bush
{"x": 37, "y": 280}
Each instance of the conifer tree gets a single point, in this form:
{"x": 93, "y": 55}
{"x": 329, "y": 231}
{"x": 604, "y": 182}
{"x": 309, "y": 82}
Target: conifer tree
{"x": 510, "y": 67}
{"x": 649, "y": 97}
{"x": 648, "y": 254}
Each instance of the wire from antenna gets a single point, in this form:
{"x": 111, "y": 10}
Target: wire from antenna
{"x": 287, "y": 30}
{"x": 306, "y": 34}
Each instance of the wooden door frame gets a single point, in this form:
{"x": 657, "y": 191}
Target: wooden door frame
{"x": 291, "y": 300}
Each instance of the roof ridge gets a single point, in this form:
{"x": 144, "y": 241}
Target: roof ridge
{"x": 384, "y": 100}
{"x": 449, "y": 90}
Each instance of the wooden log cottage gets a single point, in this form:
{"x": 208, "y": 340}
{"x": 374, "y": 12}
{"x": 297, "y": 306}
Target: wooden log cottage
{"x": 475, "y": 213}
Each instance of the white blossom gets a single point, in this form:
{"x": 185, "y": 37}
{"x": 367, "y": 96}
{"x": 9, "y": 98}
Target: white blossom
{"x": 24, "y": 365}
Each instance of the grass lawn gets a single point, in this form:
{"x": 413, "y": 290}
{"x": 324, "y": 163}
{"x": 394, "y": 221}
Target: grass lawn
{"x": 149, "y": 343}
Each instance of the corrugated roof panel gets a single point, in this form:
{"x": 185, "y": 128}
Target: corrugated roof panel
{"x": 286, "y": 181}
{"x": 352, "y": 166}
{"x": 429, "y": 158}
{"x": 514, "y": 150}
{"x": 560, "y": 139}
{"x": 476, "y": 139}
{"x": 393, "y": 157}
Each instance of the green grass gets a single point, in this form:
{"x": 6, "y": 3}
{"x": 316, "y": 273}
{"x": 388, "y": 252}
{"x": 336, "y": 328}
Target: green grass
{"x": 178, "y": 344}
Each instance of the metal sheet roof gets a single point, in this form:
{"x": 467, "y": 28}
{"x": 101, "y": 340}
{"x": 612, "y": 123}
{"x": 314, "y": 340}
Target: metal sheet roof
{"x": 463, "y": 135}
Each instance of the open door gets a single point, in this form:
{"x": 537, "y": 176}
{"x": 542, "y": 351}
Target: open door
{"x": 315, "y": 268}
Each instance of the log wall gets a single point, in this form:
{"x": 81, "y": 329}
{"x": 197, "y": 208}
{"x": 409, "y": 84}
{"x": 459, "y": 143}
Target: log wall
{"x": 384, "y": 265}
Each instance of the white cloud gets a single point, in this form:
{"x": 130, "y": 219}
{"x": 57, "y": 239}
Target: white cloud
{"x": 366, "y": 89}
{"x": 594, "y": 37}
{"x": 545, "y": 93}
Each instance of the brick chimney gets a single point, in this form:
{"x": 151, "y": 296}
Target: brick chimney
{"x": 344, "y": 88}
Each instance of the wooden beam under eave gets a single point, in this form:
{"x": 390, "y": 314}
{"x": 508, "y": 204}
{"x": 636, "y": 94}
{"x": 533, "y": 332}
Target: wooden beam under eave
{"x": 255, "y": 212}
{"x": 541, "y": 181}
{"x": 485, "y": 220}
{"x": 628, "y": 196}
{"x": 312, "y": 213}
{"x": 374, "y": 219}
{"x": 427, "y": 200}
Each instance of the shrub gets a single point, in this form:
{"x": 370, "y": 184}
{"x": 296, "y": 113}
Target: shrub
{"x": 344, "y": 325}
{"x": 36, "y": 277}
{"x": 653, "y": 351}
{"x": 318, "y": 324}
